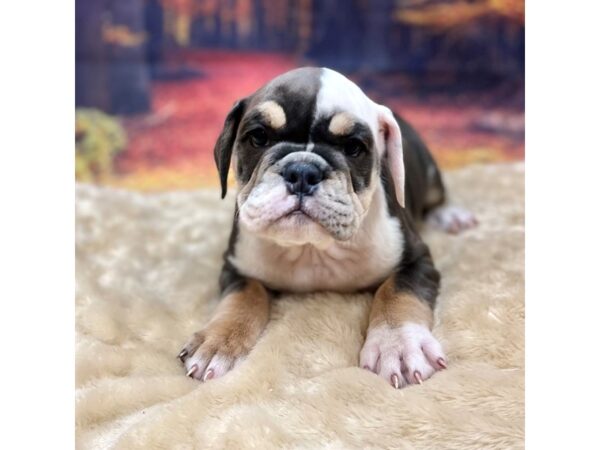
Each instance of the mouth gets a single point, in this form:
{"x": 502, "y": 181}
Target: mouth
{"x": 298, "y": 212}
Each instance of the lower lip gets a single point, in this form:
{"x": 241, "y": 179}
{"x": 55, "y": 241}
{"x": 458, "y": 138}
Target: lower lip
{"x": 297, "y": 215}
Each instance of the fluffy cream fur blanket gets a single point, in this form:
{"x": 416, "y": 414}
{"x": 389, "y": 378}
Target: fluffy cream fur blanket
{"x": 147, "y": 268}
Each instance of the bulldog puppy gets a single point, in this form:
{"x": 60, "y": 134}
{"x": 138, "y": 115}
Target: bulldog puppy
{"x": 331, "y": 185}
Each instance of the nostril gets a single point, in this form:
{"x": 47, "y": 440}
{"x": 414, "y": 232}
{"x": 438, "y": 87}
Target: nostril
{"x": 313, "y": 175}
{"x": 290, "y": 174}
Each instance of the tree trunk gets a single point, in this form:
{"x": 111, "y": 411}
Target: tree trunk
{"x": 91, "y": 71}
{"x": 129, "y": 78}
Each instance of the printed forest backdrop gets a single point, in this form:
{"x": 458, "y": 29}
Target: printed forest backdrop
{"x": 155, "y": 78}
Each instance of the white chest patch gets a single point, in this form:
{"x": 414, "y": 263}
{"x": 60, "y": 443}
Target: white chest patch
{"x": 345, "y": 266}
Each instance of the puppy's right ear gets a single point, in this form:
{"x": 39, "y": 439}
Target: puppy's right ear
{"x": 224, "y": 145}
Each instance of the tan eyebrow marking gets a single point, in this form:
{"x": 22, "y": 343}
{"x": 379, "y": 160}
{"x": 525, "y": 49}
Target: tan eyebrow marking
{"x": 341, "y": 123}
{"x": 273, "y": 113}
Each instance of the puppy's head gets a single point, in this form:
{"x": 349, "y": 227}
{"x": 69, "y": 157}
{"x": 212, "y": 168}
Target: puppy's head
{"x": 307, "y": 150}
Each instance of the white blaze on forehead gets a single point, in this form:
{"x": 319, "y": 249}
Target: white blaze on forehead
{"x": 338, "y": 94}
{"x": 273, "y": 113}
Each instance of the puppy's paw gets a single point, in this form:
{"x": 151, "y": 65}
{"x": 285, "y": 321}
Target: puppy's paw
{"x": 404, "y": 355}
{"x": 215, "y": 350}
{"x": 452, "y": 219}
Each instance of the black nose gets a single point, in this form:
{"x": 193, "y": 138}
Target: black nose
{"x": 302, "y": 178}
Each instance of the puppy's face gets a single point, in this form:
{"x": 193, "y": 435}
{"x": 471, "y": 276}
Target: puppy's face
{"x": 307, "y": 149}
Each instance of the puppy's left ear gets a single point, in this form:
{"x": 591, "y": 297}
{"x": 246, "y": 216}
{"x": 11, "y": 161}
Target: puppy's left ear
{"x": 224, "y": 145}
{"x": 393, "y": 155}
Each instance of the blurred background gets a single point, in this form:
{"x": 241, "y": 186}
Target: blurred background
{"x": 156, "y": 78}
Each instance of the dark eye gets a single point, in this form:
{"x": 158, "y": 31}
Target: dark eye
{"x": 258, "y": 138}
{"x": 354, "y": 148}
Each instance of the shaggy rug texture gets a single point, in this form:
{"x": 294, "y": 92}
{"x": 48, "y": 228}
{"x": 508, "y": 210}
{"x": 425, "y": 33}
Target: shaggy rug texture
{"x": 147, "y": 269}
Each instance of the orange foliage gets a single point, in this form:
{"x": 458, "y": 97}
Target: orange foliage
{"x": 122, "y": 35}
{"x": 455, "y": 14}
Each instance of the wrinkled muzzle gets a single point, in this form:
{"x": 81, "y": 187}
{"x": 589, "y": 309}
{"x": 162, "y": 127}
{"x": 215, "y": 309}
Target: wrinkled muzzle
{"x": 300, "y": 199}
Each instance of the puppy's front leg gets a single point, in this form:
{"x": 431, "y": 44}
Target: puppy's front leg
{"x": 230, "y": 335}
{"x": 399, "y": 344}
